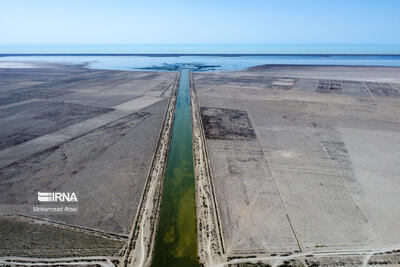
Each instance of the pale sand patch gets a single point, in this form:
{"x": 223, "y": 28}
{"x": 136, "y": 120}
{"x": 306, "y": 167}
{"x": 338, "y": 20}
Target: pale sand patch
{"x": 17, "y": 65}
{"x": 138, "y": 103}
{"x": 375, "y": 156}
{"x": 283, "y": 83}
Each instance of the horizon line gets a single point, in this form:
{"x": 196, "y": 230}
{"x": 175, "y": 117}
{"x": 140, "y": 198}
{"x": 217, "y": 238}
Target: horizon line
{"x": 192, "y": 54}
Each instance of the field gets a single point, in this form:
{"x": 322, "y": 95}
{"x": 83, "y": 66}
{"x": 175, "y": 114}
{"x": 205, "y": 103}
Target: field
{"x": 303, "y": 159}
{"x": 294, "y": 165}
{"x": 65, "y": 128}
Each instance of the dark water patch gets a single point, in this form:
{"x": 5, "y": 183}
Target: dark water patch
{"x": 181, "y": 66}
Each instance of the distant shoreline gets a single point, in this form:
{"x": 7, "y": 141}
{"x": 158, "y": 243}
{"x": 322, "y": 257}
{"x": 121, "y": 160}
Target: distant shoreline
{"x": 266, "y": 66}
{"x": 191, "y": 54}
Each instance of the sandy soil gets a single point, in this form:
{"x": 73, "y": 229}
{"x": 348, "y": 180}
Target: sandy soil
{"x": 318, "y": 178}
{"x": 210, "y": 239}
{"x": 71, "y": 129}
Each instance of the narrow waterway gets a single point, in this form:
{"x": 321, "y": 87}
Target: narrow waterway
{"x": 176, "y": 243}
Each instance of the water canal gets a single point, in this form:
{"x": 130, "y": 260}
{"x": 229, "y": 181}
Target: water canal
{"x": 176, "y": 243}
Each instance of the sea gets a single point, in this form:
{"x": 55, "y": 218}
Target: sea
{"x": 204, "y": 57}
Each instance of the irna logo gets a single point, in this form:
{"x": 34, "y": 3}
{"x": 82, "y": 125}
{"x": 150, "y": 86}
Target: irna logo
{"x": 57, "y": 197}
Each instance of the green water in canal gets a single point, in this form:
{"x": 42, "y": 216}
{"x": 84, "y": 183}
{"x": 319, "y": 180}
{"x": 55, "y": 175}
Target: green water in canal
{"x": 176, "y": 243}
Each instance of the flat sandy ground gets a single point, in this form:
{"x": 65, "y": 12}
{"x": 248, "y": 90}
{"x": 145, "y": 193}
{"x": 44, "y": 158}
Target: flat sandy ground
{"x": 304, "y": 158}
{"x": 65, "y": 128}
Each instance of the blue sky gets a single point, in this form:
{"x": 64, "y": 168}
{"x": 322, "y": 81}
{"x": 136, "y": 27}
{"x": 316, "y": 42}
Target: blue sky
{"x": 223, "y": 21}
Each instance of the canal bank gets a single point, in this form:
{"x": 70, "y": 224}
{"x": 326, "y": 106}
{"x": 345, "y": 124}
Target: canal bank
{"x": 141, "y": 241}
{"x": 210, "y": 240}
{"x": 176, "y": 240}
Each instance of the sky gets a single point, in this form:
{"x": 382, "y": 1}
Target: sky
{"x": 200, "y": 22}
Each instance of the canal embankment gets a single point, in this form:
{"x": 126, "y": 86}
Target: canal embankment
{"x": 143, "y": 232}
{"x": 210, "y": 240}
